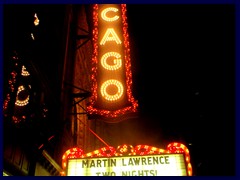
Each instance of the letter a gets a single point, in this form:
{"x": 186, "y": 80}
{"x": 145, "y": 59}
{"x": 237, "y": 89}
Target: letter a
{"x": 110, "y": 35}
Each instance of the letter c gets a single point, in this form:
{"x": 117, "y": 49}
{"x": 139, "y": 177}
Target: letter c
{"x": 105, "y": 11}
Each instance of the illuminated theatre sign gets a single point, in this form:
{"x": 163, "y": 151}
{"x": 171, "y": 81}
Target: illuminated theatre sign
{"x": 126, "y": 160}
{"x": 111, "y": 66}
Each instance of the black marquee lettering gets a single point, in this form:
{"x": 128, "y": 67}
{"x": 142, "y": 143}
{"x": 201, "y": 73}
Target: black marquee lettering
{"x": 99, "y": 163}
{"x": 130, "y": 162}
{"x": 85, "y": 164}
{"x": 123, "y": 163}
{"x": 136, "y": 161}
{"x": 161, "y": 161}
{"x": 155, "y": 160}
{"x": 92, "y": 164}
{"x": 144, "y": 161}
{"x": 149, "y": 160}
{"x": 167, "y": 159}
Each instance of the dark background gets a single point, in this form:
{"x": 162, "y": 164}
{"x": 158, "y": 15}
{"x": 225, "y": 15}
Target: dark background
{"x": 183, "y": 77}
{"x": 183, "y": 67}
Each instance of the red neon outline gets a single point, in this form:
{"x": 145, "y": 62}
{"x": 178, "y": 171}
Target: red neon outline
{"x": 128, "y": 150}
{"x": 133, "y": 107}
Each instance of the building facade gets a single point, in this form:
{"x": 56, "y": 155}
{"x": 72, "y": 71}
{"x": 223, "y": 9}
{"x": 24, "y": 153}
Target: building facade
{"x": 47, "y": 85}
{"x": 32, "y": 39}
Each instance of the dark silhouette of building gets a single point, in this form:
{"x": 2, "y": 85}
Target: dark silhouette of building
{"x": 56, "y": 54}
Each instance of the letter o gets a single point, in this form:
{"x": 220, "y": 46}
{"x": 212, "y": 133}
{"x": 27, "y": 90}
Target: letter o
{"x": 110, "y": 97}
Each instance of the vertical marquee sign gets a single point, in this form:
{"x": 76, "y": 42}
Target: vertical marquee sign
{"x": 111, "y": 66}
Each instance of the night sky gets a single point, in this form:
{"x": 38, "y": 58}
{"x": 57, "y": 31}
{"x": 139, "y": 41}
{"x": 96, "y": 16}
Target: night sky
{"x": 183, "y": 67}
{"x": 183, "y": 78}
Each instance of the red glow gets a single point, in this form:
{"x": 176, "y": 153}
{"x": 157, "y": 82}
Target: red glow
{"x": 40, "y": 146}
{"x": 132, "y": 104}
{"x": 50, "y": 137}
{"x": 125, "y": 150}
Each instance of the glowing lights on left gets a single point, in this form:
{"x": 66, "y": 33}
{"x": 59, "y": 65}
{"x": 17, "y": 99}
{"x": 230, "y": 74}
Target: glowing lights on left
{"x": 36, "y": 20}
{"x": 21, "y": 89}
{"x": 24, "y": 71}
{"x": 36, "y": 23}
{"x": 21, "y": 102}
